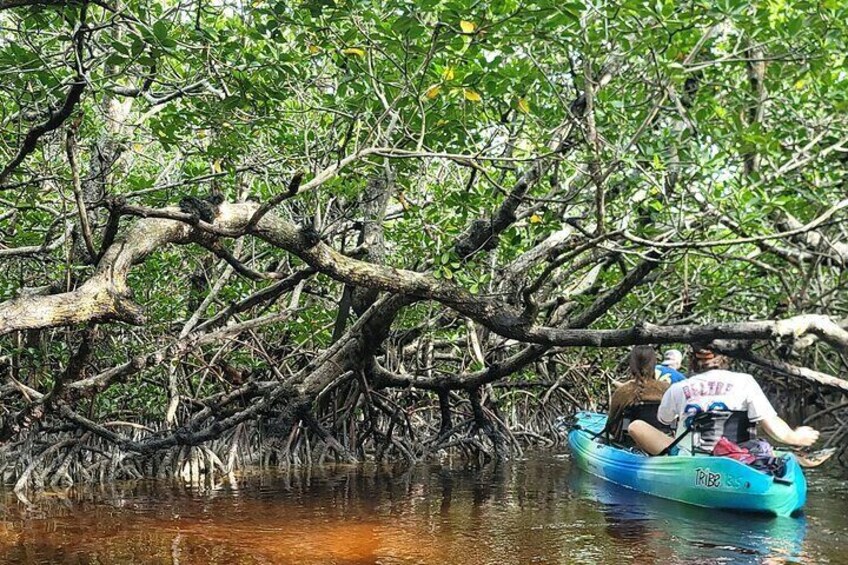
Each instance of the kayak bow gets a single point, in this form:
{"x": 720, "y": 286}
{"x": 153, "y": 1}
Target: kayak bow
{"x": 701, "y": 480}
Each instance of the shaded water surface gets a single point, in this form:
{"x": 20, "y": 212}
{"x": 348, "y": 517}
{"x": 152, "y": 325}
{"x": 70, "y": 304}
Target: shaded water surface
{"x": 533, "y": 511}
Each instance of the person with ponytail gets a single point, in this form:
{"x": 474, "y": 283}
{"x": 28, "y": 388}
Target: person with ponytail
{"x": 713, "y": 386}
{"x": 642, "y": 388}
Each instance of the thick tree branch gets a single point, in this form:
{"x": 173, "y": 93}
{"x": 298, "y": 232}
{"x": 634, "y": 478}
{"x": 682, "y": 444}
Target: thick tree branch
{"x": 787, "y": 368}
{"x": 57, "y": 117}
{"x": 484, "y": 234}
{"x": 105, "y": 295}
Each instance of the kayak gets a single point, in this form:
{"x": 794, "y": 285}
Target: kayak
{"x": 701, "y": 480}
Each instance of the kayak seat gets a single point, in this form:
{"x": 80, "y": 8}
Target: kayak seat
{"x": 647, "y": 412}
{"x": 709, "y": 427}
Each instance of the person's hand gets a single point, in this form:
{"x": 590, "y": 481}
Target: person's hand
{"x": 804, "y": 436}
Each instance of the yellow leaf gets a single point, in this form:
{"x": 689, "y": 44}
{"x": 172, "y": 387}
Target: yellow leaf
{"x": 354, "y": 51}
{"x": 313, "y": 49}
{"x": 448, "y": 73}
{"x": 535, "y": 219}
{"x": 471, "y": 95}
{"x": 524, "y": 105}
{"x": 467, "y": 27}
{"x": 433, "y": 91}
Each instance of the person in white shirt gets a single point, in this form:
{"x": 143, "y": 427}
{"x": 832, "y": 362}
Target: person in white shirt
{"x": 714, "y": 387}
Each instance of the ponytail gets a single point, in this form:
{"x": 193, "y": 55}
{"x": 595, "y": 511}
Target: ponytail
{"x": 643, "y": 362}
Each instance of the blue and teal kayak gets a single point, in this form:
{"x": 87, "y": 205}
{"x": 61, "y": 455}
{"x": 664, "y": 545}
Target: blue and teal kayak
{"x": 701, "y": 480}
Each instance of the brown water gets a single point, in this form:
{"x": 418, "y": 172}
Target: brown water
{"x": 533, "y": 511}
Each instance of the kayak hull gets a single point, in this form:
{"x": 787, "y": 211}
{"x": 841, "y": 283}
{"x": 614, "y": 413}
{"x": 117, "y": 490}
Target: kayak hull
{"x": 701, "y": 480}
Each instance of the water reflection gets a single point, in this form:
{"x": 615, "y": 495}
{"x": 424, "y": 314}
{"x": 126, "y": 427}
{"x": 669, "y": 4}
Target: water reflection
{"x": 534, "y": 511}
{"x": 698, "y": 534}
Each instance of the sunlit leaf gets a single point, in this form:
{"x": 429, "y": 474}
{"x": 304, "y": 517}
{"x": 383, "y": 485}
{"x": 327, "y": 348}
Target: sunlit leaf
{"x": 433, "y": 91}
{"x": 354, "y": 51}
{"x": 471, "y": 95}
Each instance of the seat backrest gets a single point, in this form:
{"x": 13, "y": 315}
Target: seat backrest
{"x": 647, "y": 412}
{"x": 708, "y": 427}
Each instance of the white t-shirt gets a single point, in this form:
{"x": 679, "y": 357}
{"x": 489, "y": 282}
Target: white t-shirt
{"x": 715, "y": 389}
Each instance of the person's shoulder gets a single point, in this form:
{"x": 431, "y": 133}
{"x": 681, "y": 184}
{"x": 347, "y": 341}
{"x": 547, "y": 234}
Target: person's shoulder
{"x": 719, "y": 373}
{"x": 626, "y": 388}
{"x": 673, "y": 388}
{"x": 676, "y": 376}
{"x": 667, "y": 374}
{"x": 728, "y": 374}
{"x": 660, "y": 386}
{"x": 672, "y": 395}
{"x": 741, "y": 381}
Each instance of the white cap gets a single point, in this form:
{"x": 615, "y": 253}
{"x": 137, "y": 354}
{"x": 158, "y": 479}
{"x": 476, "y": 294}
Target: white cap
{"x": 672, "y": 356}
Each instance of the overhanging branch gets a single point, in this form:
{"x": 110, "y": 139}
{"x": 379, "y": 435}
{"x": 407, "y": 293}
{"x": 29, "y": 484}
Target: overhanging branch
{"x": 105, "y": 294}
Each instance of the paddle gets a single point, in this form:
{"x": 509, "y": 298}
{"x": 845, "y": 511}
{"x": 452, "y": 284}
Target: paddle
{"x": 812, "y": 459}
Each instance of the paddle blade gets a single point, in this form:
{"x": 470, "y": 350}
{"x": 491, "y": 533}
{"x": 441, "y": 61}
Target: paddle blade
{"x": 814, "y": 458}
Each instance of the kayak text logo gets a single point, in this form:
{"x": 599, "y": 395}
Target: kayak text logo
{"x": 706, "y": 478}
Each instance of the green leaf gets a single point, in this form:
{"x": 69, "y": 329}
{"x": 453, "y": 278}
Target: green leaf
{"x": 160, "y": 30}
{"x": 120, "y": 47}
{"x": 115, "y": 59}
